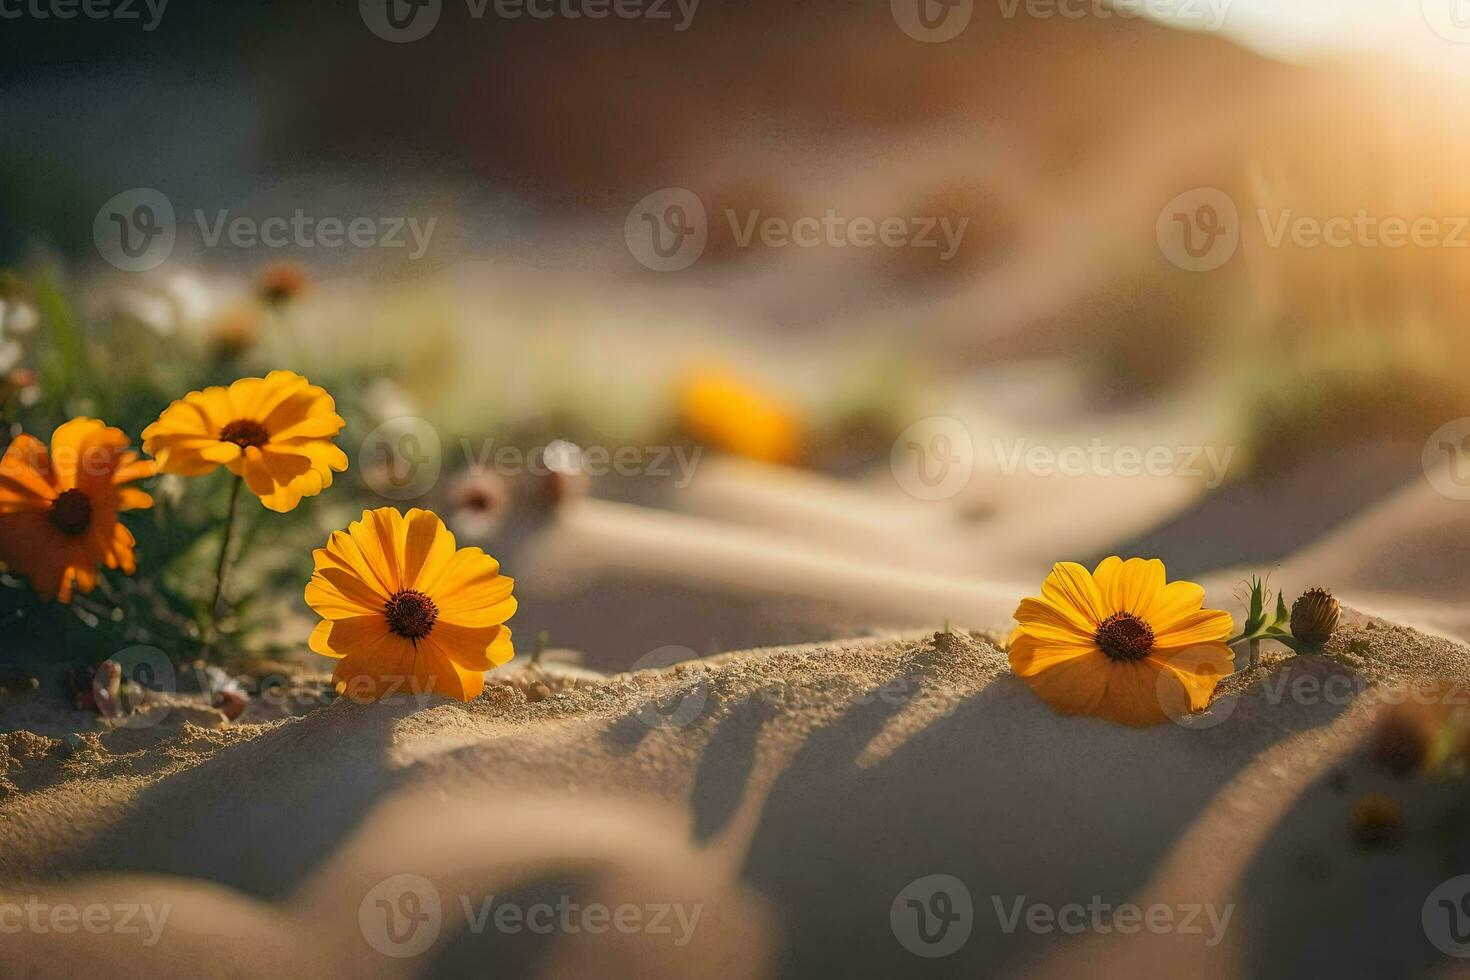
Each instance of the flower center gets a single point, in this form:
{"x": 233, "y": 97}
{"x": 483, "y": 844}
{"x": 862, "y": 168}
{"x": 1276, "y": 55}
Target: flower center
{"x": 245, "y": 433}
{"x": 71, "y": 513}
{"x": 411, "y": 614}
{"x": 1123, "y": 636}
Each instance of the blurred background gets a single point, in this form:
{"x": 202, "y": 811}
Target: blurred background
{"x": 887, "y": 307}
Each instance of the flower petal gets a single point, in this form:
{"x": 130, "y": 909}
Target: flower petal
{"x": 1132, "y": 696}
{"x": 1198, "y": 669}
{"x": 1129, "y": 586}
{"x": 1201, "y": 626}
{"x": 1074, "y": 685}
{"x": 336, "y": 593}
{"x": 1046, "y": 621}
{"x": 344, "y": 637}
{"x": 1070, "y": 587}
{"x": 428, "y": 547}
{"x": 474, "y": 647}
{"x": 1029, "y": 655}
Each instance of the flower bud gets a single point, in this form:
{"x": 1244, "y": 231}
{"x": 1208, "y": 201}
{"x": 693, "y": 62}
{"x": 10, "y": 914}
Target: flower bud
{"x": 1314, "y": 616}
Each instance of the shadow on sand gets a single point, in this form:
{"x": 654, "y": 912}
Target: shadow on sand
{"x": 233, "y": 823}
{"x": 1001, "y": 794}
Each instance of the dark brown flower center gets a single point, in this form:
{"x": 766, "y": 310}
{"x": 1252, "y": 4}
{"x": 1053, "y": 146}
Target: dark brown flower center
{"x": 1123, "y": 636}
{"x": 411, "y": 614}
{"x": 71, "y": 513}
{"x": 245, "y": 433}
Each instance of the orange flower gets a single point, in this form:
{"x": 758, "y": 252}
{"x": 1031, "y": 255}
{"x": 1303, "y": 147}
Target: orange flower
{"x": 275, "y": 432}
{"x": 1120, "y": 644}
{"x": 282, "y": 282}
{"x": 406, "y": 611}
{"x": 724, "y": 412}
{"x": 58, "y": 509}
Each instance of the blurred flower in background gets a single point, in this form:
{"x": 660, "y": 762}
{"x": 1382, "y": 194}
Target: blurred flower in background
{"x": 728, "y": 413}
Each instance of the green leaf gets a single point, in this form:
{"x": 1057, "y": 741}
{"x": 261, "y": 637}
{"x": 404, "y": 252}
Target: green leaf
{"x": 64, "y": 368}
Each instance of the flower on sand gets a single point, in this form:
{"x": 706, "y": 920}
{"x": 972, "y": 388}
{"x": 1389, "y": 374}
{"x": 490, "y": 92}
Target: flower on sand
{"x": 59, "y": 507}
{"x": 1119, "y": 643}
{"x": 407, "y": 611}
{"x": 274, "y": 432}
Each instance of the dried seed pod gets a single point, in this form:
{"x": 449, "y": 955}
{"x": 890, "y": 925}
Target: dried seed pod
{"x": 1314, "y": 616}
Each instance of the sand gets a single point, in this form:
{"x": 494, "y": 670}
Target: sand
{"x": 789, "y": 793}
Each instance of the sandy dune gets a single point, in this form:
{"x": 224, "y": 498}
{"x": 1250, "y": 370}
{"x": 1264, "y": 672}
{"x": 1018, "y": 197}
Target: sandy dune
{"x": 768, "y": 789}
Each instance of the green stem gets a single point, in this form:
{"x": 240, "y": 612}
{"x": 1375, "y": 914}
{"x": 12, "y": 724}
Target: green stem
{"x": 222, "y": 568}
{"x": 1255, "y": 653}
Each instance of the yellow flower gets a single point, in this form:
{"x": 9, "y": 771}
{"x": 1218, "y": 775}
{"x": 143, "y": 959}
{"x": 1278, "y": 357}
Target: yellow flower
{"x": 724, "y": 412}
{"x": 58, "y": 509}
{"x": 405, "y": 611}
{"x": 275, "y": 432}
{"x": 1119, "y": 643}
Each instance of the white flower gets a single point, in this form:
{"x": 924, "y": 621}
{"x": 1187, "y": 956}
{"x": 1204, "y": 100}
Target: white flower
{"x": 17, "y": 317}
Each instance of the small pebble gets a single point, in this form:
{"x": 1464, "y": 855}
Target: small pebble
{"x": 538, "y": 691}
